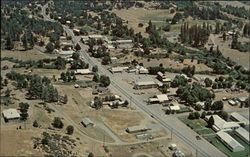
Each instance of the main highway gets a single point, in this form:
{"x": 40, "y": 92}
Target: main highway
{"x": 182, "y": 133}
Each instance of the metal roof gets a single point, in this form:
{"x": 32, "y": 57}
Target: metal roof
{"x": 240, "y": 118}
{"x": 162, "y": 97}
{"x": 86, "y": 121}
{"x": 11, "y": 113}
{"x": 243, "y": 133}
{"x": 144, "y": 83}
{"x": 230, "y": 141}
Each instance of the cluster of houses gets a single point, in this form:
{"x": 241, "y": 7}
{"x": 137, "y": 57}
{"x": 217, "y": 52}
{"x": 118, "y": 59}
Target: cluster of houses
{"x": 223, "y": 128}
{"x": 138, "y": 69}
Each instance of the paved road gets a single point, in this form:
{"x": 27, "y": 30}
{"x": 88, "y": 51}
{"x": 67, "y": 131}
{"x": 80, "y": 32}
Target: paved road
{"x": 180, "y": 131}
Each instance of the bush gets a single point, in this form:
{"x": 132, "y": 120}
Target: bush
{"x": 70, "y": 129}
{"x": 57, "y": 123}
{"x": 35, "y": 124}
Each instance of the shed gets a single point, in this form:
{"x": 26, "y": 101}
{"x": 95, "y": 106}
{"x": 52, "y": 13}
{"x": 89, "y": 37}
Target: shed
{"x": 232, "y": 102}
{"x": 145, "y": 84}
{"x": 11, "y": 115}
{"x": 174, "y": 108}
{"x": 135, "y": 129}
{"x": 117, "y": 69}
{"x": 230, "y": 142}
{"x": 113, "y": 59}
{"x": 83, "y": 71}
{"x": 143, "y": 136}
{"x": 87, "y": 122}
{"x": 239, "y": 118}
{"x": 173, "y": 146}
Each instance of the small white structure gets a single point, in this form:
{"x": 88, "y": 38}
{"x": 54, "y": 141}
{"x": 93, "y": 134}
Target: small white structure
{"x": 173, "y": 146}
{"x": 76, "y": 86}
{"x": 162, "y": 77}
{"x": 143, "y": 70}
{"x": 239, "y": 118}
{"x": 124, "y": 41}
{"x": 243, "y": 134}
{"x": 174, "y": 108}
{"x": 230, "y": 142}
{"x": 68, "y": 22}
{"x": 118, "y": 69}
{"x": 10, "y": 115}
{"x": 221, "y": 125}
{"x": 83, "y": 71}
{"x": 66, "y": 53}
{"x": 143, "y": 136}
{"x": 232, "y": 102}
{"x": 113, "y": 59}
{"x": 135, "y": 129}
{"x": 87, "y": 122}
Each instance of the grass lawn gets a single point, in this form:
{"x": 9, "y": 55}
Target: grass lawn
{"x": 205, "y": 131}
{"x": 218, "y": 144}
{"x": 194, "y": 124}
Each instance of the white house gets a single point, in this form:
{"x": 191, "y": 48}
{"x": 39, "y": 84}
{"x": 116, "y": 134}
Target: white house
{"x": 159, "y": 98}
{"x": 83, "y": 71}
{"x": 221, "y": 125}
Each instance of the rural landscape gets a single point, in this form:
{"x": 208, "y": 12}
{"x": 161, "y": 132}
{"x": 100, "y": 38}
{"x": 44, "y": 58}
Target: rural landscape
{"x": 124, "y": 78}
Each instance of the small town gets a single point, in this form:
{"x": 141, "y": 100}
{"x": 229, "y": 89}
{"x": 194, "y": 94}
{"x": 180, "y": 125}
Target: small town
{"x": 123, "y": 78}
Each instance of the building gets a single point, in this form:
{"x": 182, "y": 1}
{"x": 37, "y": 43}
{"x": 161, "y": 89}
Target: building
{"x": 221, "y": 125}
{"x": 178, "y": 153}
{"x": 11, "y": 115}
{"x": 66, "y": 53}
{"x": 124, "y": 41}
{"x": 173, "y": 146}
{"x": 83, "y": 72}
{"x": 162, "y": 77}
{"x": 242, "y": 99}
{"x": 117, "y": 69}
{"x": 162, "y": 98}
{"x": 174, "y": 108}
{"x": 113, "y": 59}
{"x": 230, "y": 142}
{"x": 243, "y": 134}
{"x": 102, "y": 89}
{"x": 87, "y": 122}
{"x": 145, "y": 84}
{"x": 143, "y": 136}
{"x": 135, "y": 129}
{"x": 232, "y": 102}
{"x": 239, "y": 118}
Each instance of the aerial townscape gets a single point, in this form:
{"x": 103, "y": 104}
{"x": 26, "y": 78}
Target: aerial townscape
{"x": 124, "y": 78}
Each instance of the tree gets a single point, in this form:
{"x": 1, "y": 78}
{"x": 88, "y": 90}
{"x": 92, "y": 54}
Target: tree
{"x": 106, "y": 60}
{"x": 77, "y": 47}
{"x": 224, "y": 115}
{"x": 191, "y": 115}
{"x": 105, "y": 81}
{"x": 35, "y": 124}
{"x": 95, "y": 68}
{"x": 97, "y": 103}
{"x": 125, "y": 104}
{"x": 63, "y": 76}
{"x": 9, "y": 43}
{"x": 24, "y": 110}
{"x": 210, "y": 121}
{"x": 70, "y": 129}
{"x": 96, "y": 77}
{"x": 57, "y": 123}
{"x": 91, "y": 154}
{"x": 217, "y": 105}
{"x": 196, "y": 115}
{"x": 65, "y": 99}
{"x": 49, "y": 47}
{"x": 176, "y": 18}
{"x": 208, "y": 82}
{"x": 203, "y": 114}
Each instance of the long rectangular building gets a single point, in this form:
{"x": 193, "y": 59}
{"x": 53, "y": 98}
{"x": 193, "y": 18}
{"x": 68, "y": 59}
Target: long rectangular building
{"x": 243, "y": 134}
{"x": 230, "y": 142}
{"x": 239, "y": 118}
{"x": 135, "y": 129}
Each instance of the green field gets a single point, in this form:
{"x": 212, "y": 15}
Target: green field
{"x": 198, "y": 125}
{"x": 218, "y": 144}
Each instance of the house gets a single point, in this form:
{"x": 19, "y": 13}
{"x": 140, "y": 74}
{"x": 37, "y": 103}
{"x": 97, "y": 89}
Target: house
{"x": 221, "y": 125}
{"x": 186, "y": 77}
{"x": 87, "y": 122}
{"x": 173, "y": 146}
{"x": 174, "y": 108}
{"x": 239, "y": 118}
{"x": 145, "y": 84}
{"x": 11, "y": 115}
{"x": 83, "y": 72}
{"x": 124, "y": 41}
{"x": 135, "y": 129}
{"x": 117, "y": 69}
{"x": 162, "y": 77}
{"x": 243, "y": 134}
{"x": 113, "y": 59}
{"x": 230, "y": 142}
{"x": 102, "y": 89}
{"x": 159, "y": 98}
{"x": 143, "y": 70}
{"x": 242, "y": 99}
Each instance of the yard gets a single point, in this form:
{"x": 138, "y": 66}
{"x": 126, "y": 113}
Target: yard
{"x": 198, "y": 125}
